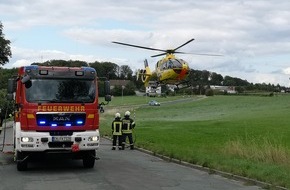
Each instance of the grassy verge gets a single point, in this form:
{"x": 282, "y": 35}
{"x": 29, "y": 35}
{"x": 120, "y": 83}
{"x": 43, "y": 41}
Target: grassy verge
{"x": 245, "y": 135}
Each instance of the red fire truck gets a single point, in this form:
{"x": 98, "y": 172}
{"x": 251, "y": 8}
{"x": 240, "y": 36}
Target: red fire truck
{"x": 56, "y": 112}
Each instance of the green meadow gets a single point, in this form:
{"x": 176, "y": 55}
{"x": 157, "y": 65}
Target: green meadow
{"x": 243, "y": 135}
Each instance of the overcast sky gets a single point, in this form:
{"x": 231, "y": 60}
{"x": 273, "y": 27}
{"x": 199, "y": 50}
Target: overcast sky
{"x": 252, "y": 35}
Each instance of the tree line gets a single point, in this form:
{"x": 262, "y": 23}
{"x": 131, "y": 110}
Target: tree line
{"x": 203, "y": 79}
{"x": 196, "y": 79}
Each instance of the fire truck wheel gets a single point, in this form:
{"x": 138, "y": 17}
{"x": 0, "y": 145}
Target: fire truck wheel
{"x": 89, "y": 159}
{"x": 21, "y": 164}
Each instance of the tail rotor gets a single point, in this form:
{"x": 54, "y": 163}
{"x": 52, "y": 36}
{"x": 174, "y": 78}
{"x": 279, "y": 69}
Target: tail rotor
{"x": 145, "y": 73}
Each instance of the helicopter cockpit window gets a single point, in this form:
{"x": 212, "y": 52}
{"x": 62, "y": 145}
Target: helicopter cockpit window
{"x": 169, "y": 64}
{"x": 175, "y": 63}
{"x": 164, "y": 66}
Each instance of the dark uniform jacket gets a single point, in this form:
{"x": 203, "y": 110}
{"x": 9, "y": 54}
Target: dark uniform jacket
{"x": 128, "y": 125}
{"x": 117, "y": 126}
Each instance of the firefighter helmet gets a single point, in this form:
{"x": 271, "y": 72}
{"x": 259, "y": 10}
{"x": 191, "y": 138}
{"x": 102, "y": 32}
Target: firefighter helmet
{"x": 117, "y": 115}
{"x": 127, "y": 113}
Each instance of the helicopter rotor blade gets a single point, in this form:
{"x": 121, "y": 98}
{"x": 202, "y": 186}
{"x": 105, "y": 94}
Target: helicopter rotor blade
{"x": 179, "y": 52}
{"x": 168, "y": 51}
{"x": 159, "y": 55}
{"x": 206, "y": 54}
{"x": 183, "y": 44}
{"x": 136, "y": 46}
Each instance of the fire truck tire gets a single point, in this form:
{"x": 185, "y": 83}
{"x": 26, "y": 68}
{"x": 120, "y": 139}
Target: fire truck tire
{"x": 21, "y": 164}
{"x": 89, "y": 159}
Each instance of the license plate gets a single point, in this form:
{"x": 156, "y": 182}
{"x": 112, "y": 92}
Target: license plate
{"x": 61, "y": 139}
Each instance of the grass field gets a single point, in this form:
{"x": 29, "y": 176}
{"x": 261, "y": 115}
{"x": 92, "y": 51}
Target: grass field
{"x": 244, "y": 135}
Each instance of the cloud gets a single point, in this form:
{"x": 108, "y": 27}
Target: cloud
{"x": 252, "y": 35}
{"x": 31, "y": 56}
{"x": 23, "y": 57}
{"x": 21, "y": 62}
{"x": 287, "y": 71}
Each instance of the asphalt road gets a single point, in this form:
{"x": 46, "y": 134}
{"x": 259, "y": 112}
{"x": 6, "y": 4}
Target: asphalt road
{"x": 116, "y": 170}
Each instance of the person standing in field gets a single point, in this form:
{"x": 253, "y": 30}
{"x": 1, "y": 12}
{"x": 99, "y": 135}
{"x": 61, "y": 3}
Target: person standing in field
{"x": 117, "y": 131}
{"x": 128, "y": 125}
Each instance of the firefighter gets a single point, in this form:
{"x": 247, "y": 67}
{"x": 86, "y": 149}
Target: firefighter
{"x": 117, "y": 131}
{"x": 128, "y": 125}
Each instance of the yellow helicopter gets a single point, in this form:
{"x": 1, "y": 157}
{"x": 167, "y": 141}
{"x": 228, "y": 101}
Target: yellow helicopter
{"x": 169, "y": 70}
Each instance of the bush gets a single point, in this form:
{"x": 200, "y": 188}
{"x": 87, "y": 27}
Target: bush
{"x": 209, "y": 92}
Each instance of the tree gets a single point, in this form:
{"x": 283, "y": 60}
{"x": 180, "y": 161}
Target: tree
{"x": 5, "y": 51}
{"x": 126, "y": 72}
{"x": 5, "y": 106}
{"x": 234, "y": 81}
{"x": 229, "y": 81}
{"x": 106, "y": 69}
{"x": 63, "y": 63}
{"x": 5, "y": 74}
{"x": 216, "y": 79}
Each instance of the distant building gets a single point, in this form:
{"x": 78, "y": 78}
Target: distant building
{"x": 152, "y": 89}
{"x": 228, "y": 89}
{"x": 287, "y": 90}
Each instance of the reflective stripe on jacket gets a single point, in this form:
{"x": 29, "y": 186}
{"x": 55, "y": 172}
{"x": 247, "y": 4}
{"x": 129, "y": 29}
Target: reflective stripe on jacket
{"x": 117, "y": 128}
{"x": 127, "y": 126}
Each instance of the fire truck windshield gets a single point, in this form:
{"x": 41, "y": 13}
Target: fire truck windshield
{"x": 61, "y": 90}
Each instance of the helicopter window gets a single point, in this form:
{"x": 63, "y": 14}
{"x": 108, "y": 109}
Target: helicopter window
{"x": 175, "y": 63}
{"x": 169, "y": 64}
{"x": 164, "y": 66}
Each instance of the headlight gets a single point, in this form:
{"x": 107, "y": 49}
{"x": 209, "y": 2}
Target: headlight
{"x": 94, "y": 138}
{"x": 26, "y": 139}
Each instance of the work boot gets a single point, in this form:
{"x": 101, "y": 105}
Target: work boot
{"x": 132, "y": 147}
{"x": 113, "y": 148}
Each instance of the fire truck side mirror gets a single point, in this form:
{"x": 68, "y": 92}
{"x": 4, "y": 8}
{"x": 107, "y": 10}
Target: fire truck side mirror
{"x": 107, "y": 87}
{"x": 11, "y": 86}
{"x": 11, "y": 89}
{"x": 107, "y": 98}
{"x": 26, "y": 81}
{"x": 107, "y": 91}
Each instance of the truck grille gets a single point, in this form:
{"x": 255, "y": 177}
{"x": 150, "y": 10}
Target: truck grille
{"x": 60, "y": 133}
{"x": 61, "y": 119}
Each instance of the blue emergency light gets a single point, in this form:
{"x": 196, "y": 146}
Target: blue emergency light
{"x": 80, "y": 122}
{"x": 42, "y": 122}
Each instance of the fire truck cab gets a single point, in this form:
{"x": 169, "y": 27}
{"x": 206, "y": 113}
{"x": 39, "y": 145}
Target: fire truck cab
{"x": 56, "y": 112}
